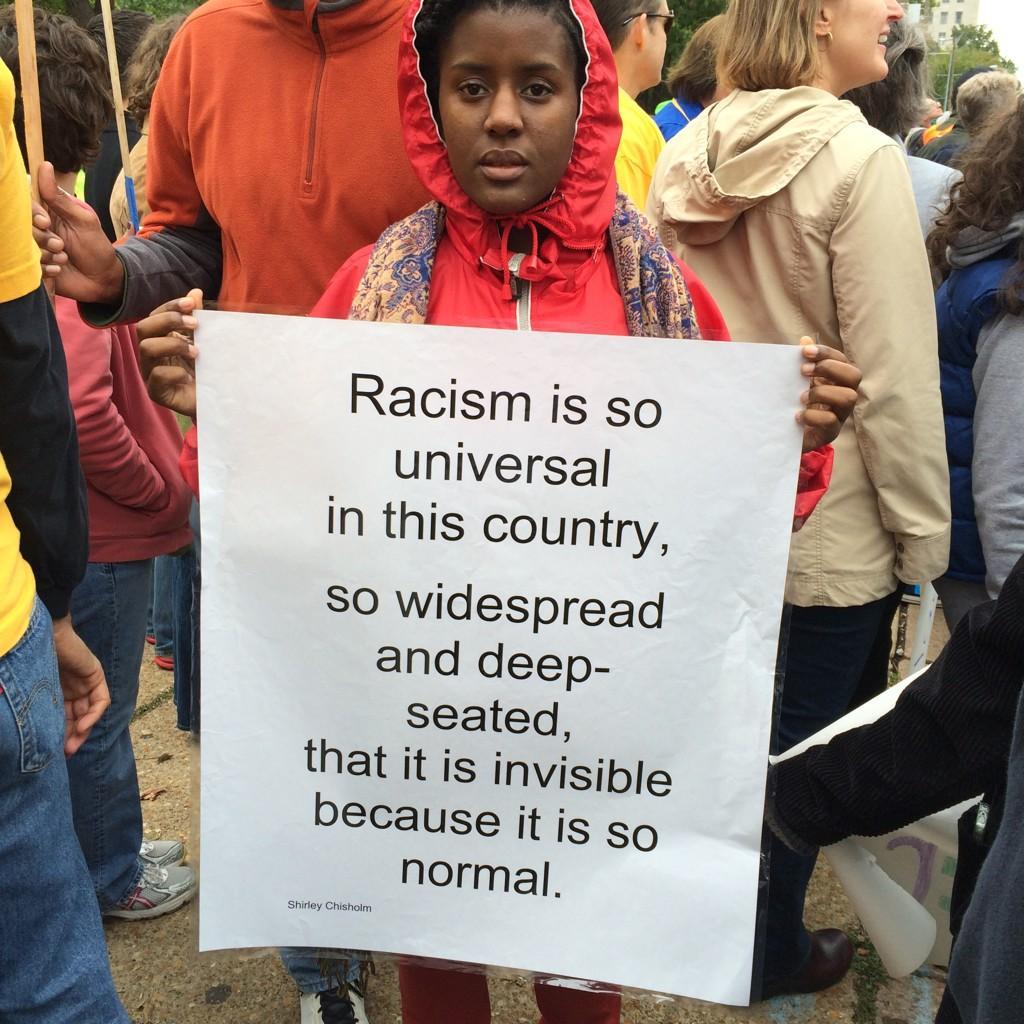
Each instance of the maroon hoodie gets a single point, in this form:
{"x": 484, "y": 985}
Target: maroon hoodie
{"x": 128, "y": 447}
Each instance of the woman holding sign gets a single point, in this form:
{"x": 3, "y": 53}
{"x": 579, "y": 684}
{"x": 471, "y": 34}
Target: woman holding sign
{"x": 800, "y": 217}
{"x": 511, "y": 121}
{"x": 526, "y": 232}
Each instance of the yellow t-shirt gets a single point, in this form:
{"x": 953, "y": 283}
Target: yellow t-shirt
{"x": 17, "y": 584}
{"x": 639, "y": 149}
{"x": 19, "y": 258}
{"x": 19, "y": 275}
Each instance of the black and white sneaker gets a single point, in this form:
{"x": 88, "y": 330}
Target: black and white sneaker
{"x": 331, "y": 1007}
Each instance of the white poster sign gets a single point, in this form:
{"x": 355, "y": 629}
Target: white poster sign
{"x": 488, "y": 634}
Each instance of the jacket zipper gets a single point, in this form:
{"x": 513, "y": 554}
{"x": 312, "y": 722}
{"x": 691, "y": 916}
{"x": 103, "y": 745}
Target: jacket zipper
{"x": 307, "y": 182}
{"x": 521, "y": 293}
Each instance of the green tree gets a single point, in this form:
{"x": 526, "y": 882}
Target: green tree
{"x": 159, "y": 8}
{"x": 83, "y": 10}
{"x": 690, "y": 15}
{"x": 978, "y": 37}
{"x": 974, "y": 46}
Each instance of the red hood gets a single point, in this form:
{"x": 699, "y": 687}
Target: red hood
{"x": 580, "y": 209}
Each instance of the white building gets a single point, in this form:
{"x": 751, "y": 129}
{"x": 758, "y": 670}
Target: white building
{"x": 940, "y": 17}
{"x": 1005, "y": 18}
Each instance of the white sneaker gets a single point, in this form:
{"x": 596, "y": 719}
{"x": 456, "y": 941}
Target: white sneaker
{"x": 163, "y": 853}
{"x": 332, "y": 1007}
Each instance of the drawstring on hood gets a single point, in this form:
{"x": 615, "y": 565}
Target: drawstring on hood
{"x": 534, "y": 267}
{"x": 575, "y": 216}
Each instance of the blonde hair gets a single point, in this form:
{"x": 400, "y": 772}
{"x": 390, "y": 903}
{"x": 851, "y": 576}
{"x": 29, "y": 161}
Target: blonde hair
{"x": 983, "y": 96}
{"x": 769, "y": 44}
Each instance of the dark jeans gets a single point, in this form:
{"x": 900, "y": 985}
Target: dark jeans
{"x": 184, "y": 621}
{"x": 826, "y": 655}
{"x": 109, "y": 611}
{"x": 160, "y": 618}
{"x": 874, "y": 679}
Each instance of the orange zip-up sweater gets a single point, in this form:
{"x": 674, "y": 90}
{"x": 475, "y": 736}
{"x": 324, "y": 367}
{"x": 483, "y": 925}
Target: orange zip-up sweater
{"x": 275, "y": 153}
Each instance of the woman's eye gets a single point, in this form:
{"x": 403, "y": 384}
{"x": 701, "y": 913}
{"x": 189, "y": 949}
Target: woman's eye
{"x": 538, "y": 90}
{"x": 472, "y": 89}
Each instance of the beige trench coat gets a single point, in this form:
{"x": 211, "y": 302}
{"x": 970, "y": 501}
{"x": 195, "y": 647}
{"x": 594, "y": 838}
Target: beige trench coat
{"x": 799, "y": 217}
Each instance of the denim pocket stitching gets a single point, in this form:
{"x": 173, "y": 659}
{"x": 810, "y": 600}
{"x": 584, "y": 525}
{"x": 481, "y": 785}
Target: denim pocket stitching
{"x": 32, "y": 759}
{"x": 21, "y": 701}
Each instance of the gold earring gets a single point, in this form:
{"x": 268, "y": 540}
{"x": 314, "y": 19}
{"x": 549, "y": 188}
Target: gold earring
{"x": 828, "y": 36}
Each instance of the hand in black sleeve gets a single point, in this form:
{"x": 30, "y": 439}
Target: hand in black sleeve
{"x": 946, "y": 740}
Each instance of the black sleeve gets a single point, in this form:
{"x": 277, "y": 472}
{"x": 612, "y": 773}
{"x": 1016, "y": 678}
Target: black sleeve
{"x": 40, "y": 447}
{"x": 161, "y": 267}
{"x": 946, "y": 740}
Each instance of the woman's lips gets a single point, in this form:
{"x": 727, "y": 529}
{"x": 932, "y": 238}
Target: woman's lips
{"x": 499, "y": 165}
{"x": 503, "y": 172}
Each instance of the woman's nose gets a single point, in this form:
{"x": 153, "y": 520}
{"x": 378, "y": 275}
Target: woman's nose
{"x": 504, "y": 115}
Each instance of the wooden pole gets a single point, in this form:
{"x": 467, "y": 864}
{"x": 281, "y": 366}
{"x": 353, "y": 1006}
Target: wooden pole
{"x": 122, "y": 130}
{"x": 26, "y": 26}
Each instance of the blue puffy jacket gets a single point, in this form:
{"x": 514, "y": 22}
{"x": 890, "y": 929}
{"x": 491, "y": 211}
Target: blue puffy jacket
{"x": 967, "y": 300}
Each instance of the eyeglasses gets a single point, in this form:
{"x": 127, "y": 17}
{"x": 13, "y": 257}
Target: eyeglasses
{"x": 667, "y": 18}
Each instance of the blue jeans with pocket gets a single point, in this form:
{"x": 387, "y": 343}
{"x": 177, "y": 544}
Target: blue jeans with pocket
{"x": 108, "y": 609}
{"x": 53, "y": 957}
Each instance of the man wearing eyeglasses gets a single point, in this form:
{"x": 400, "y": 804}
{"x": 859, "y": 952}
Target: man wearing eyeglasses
{"x": 638, "y": 33}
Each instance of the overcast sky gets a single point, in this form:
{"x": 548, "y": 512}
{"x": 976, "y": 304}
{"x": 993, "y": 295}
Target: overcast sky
{"x": 1006, "y": 19}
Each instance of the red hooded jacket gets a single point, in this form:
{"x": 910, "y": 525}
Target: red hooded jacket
{"x": 573, "y": 288}
{"x": 573, "y": 282}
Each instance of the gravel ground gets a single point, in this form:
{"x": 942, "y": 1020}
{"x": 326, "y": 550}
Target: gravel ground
{"x": 163, "y": 980}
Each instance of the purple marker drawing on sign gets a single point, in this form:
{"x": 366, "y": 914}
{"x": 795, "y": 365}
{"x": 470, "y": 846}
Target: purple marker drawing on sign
{"x": 926, "y": 851}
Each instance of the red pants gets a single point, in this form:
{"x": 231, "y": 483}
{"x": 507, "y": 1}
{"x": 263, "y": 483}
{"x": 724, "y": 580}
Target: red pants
{"x": 438, "y": 996}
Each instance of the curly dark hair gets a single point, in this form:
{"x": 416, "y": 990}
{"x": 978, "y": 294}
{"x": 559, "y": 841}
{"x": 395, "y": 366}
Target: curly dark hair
{"x": 144, "y": 69}
{"x": 74, "y": 87}
{"x": 436, "y": 22}
{"x": 129, "y": 28}
{"x": 989, "y": 196}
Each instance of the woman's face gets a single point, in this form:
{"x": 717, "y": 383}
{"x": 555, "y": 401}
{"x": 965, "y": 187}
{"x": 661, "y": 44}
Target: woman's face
{"x": 508, "y": 102}
{"x": 854, "y": 54}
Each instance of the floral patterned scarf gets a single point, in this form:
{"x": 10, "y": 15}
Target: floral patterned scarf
{"x": 396, "y": 285}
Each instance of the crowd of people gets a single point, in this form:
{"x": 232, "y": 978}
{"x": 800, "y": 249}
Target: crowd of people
{"x": 795, "y": 189}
